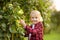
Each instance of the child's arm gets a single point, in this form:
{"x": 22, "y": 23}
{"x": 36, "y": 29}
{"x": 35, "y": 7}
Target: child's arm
{"x": 35, "y": 31}
{"x": 27, "y": 28}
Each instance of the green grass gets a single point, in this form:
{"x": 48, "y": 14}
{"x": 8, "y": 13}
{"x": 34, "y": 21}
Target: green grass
{"x": 52, "y": 36}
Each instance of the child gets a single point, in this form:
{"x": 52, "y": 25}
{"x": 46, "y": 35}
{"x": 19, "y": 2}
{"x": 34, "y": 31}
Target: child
{"x": 35, "y": 31}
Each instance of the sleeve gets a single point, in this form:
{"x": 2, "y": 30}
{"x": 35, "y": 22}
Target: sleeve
{"x": 30, "y": 30}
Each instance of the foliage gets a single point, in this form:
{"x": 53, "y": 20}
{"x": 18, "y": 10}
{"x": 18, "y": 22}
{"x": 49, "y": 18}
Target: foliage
{"x": 10, "y": 17}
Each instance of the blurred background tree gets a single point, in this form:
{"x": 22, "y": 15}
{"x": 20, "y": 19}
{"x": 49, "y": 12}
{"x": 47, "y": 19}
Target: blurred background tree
{"x": 55, "y": 19}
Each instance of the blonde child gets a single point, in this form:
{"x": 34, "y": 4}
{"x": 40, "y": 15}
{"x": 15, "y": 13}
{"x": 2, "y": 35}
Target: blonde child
{"x": 35, "y": 31}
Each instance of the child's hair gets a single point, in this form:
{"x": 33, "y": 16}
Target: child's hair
{"x": 36, "y": 11}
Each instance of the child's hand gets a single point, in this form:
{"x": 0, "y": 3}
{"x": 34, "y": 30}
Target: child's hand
{"x": 23, "y": 22}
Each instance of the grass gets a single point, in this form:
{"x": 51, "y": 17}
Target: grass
{"x": 52, "y": 36}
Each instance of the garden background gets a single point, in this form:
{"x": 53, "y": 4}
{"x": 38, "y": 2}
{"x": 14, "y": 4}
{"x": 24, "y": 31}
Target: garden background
{"x": 11, "y": 11}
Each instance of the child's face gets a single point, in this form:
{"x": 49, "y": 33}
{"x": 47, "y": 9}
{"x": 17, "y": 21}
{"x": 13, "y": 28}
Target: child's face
{"x": 34, "y": 17}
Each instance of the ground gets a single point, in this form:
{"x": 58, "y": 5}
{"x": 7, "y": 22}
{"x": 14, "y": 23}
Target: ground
{"x": 52, "y": 36}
